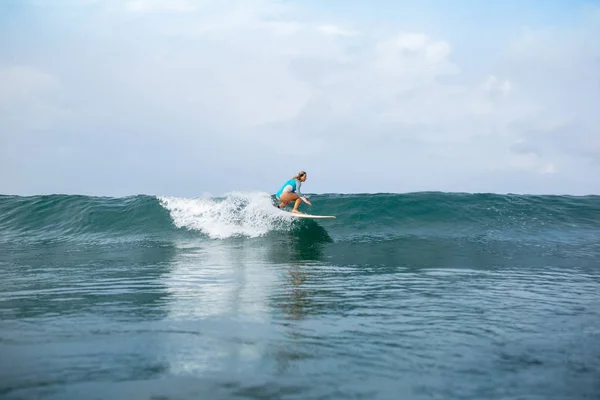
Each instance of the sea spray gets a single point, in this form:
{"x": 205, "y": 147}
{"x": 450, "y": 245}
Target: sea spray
{"x": 237, "y": 214}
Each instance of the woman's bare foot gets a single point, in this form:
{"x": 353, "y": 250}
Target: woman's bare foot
{"x": 296, "y": 212}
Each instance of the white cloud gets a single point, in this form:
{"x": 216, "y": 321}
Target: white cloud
{"x": 285, "y": 97}
{"x": 493, "y": 85}
{"x": 29, "y": 100}
{"x": 332, "y": 30}
{"x": 21, "y": 83}
{"x": 160, "y": 5}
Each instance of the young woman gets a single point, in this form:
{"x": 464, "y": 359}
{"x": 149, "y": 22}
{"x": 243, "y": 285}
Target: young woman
{"x": 290, "y": 191}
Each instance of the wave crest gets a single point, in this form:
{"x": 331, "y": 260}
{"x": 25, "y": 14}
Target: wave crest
{"x": 237, "y": 214}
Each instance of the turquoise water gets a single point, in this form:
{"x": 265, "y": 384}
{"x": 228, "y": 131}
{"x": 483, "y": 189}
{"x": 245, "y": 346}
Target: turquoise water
{"x": 413, "y": 296}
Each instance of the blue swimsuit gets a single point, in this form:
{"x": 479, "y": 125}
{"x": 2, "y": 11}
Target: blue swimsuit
{"x": 292, "y": 185}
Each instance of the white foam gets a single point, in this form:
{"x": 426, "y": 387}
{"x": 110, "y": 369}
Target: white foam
{"x": 237, "y": 214}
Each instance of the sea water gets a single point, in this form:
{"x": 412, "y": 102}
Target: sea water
{"x": 403, "y": 296}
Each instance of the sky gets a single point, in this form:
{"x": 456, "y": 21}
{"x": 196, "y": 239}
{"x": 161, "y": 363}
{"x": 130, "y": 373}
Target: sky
{"x": 205, "y": 97}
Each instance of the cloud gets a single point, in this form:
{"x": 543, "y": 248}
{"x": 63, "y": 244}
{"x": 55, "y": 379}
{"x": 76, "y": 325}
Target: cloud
{"x": 332, "y": 30}
{"x": 20, "y": 83}
{"x": 496, "y": 87}
{"x": 163, "y": 93}
{"x": 29, "y": 99}
{"x": 159, "y": 5}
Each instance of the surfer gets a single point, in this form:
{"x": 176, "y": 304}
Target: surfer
{"x": 290, "y": 191}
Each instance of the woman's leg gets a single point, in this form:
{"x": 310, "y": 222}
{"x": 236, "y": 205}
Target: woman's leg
{"x": 287, "y": 197}
{"x": 296, "y": 204}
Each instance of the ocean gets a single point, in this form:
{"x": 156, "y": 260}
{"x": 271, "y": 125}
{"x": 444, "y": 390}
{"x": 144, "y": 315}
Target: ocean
{"x": 403, "y": 296}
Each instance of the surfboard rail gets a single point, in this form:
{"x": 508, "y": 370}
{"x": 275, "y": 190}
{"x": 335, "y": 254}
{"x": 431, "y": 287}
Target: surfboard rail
{"x": 312, "y": 216}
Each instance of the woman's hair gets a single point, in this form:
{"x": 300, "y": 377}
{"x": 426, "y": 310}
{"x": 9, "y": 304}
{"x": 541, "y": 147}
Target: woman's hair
{"x": 300, "y": 174}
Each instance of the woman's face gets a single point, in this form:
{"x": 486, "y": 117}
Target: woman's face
{"x": 303, "y": 178}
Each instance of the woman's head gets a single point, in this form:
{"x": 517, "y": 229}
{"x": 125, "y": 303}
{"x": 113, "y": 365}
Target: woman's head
{"x": 301, "y": 176}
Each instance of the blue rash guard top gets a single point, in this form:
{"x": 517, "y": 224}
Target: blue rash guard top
{"x": 293, "y": 185}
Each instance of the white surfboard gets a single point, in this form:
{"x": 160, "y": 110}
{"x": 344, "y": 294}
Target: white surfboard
{"x": 310, "y": 216}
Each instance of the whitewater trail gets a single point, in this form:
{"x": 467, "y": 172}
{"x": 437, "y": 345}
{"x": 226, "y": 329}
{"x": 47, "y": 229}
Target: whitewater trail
{"x": 249, "y": 214}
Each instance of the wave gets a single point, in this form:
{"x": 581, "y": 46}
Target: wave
{"x": 361, "y": 217}
{"x": 64, "y": 217}
{"x": 463, "y": 214}
{"x": 84, "y": 218}
{"x": 237, "y": 214}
